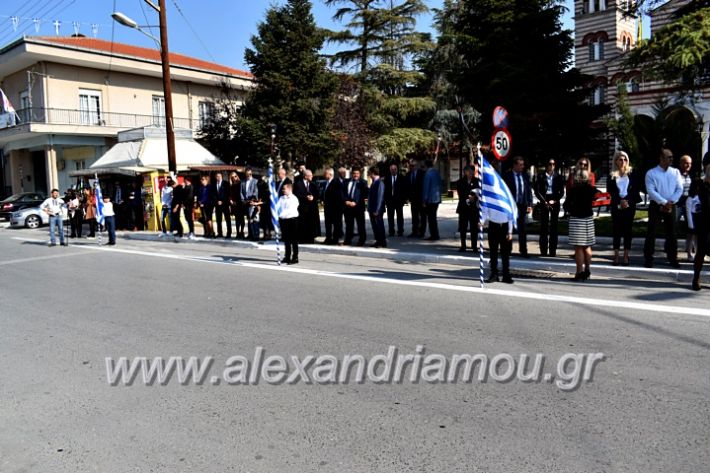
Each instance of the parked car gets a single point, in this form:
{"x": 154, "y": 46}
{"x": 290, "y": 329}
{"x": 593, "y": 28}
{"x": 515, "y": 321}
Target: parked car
{"x": 30, "y": 217}
{"x": 20, "y": 201}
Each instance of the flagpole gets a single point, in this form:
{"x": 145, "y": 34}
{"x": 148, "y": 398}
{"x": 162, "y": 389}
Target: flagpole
{"x": 479, "y": 191}
{"x": 99, "y": 211}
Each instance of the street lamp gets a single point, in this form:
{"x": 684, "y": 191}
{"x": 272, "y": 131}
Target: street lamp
{"x": 165, "y": 62}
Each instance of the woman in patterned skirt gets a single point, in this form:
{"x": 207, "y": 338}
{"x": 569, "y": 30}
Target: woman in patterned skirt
{"x": 581, "y": 222}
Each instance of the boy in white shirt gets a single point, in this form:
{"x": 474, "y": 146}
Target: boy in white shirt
{"x": 288, "y": 221}
{"x": 109, "y": 219}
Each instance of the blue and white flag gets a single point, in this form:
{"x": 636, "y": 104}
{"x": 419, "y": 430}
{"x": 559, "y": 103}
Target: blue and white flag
{"x": 99, "y": 203}
{"x": 496, "y": 198}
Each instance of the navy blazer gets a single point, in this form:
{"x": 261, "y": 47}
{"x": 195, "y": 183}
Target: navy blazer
{"x": 431, "y": 193}
{"x": 359, "y": 194}
{"x": 509, "y": 178}
{"x": 222, "y": 194}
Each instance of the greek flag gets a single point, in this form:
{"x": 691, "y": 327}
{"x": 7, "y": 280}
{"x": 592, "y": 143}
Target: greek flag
{"x": 99, "y": 203}
{"x": 496, "y": 198}
{"x": 274, "y": 201}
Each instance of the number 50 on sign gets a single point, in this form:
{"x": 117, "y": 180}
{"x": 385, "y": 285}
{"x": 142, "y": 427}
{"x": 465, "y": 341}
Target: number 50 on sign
{"x": 501, "y": 143}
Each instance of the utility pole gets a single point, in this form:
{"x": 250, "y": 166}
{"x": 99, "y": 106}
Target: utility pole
{"x": 167, "y": 89}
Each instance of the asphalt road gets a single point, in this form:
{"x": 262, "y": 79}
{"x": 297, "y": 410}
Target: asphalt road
{"x": 64, "y": 310}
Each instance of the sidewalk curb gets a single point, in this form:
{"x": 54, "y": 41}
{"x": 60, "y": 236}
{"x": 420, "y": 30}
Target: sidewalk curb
{"x": 539, "y": 264}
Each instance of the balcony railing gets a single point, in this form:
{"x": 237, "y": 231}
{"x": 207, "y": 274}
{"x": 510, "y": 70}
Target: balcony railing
{"x": 62, "y": 116}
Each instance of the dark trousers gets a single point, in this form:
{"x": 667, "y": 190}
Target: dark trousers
{"x": 175, "y": 223}
{"x": 110, "y": 223}
{"x": 703, "y": 245}
{"x": 468, "y": 221}
{"x": 548, "y": 228}
{"x": 395, "y": 210}
{"x": 223, "y": 213}
{"x": 188, "y": 217}
{"x": 75, "y": 223}
{"x": 289, "y": 235}
{"x": 431, "y": 211}
{"x": 622, "y": 221}
{"x": 239, "y": 219}
{"x": 522, "y": 231}
{"x": 669, "y": 227}
{"x": 92, "y": 227}
{"x": 333, "y": 225}
{"x": 498, "y": 242}
{"x": 353, "y": 216}
{"x": 378, "y": 228}
{"x": 136, "y": 217}
{"x": 418, "y": 219}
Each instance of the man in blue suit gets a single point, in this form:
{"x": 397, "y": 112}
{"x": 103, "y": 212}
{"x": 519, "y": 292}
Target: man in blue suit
{"x": 518, "y": 182}
{"x": 431, "y": 198}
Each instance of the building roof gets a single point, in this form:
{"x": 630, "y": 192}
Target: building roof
{"x": 83, "y": 43}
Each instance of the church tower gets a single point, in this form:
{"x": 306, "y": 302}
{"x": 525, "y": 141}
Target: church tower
{"x": 604, "y": 30}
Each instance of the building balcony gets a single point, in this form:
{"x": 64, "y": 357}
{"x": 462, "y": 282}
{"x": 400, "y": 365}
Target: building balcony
{"x": 29, "y": 121}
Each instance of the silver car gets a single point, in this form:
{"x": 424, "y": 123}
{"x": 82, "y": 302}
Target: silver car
{"x": 30, "y": 217}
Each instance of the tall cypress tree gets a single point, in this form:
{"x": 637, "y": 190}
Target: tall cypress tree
{"x": 294, "y": 89}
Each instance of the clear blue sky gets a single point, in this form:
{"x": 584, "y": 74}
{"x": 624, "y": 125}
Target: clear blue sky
{"x": 224, "y": 26}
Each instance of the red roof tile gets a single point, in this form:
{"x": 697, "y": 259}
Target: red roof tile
{"x": 120, "y": 49}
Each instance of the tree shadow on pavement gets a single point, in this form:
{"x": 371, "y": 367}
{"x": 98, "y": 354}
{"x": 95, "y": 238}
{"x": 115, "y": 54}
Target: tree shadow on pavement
{"x": 653, "y": 328}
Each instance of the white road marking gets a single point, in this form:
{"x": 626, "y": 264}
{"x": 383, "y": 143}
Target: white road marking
{"x": 37, "y": 258}
{"x": 519, "y": 294}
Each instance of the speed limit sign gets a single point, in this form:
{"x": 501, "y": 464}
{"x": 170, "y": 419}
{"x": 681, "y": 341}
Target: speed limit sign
{"x": 501, "y": 142}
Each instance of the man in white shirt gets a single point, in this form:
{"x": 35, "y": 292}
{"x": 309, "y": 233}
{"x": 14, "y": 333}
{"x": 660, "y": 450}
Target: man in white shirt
{"x": 166, "y": 204}
{"x": 53, "y": 207}
{"x": 664, "y": 186}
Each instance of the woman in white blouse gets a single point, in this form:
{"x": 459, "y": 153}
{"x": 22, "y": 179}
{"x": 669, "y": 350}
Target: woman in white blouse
{"x": 624, "y": 190}
{"x": 288, "y": 221}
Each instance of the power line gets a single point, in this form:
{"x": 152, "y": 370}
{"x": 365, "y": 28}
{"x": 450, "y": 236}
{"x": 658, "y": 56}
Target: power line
{"x": 4, "y": 29}
{"x": 204, "y": 46}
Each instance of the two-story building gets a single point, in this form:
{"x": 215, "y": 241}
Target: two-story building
{"x": 73, "y": 95}
{"x": 605, "y": 31}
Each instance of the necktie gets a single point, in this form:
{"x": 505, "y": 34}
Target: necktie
{"x": 352, "y": 190}
{"x": 520, "y": 189}
{"x": 394, "y": 180}
{"x": 308, "y": 187}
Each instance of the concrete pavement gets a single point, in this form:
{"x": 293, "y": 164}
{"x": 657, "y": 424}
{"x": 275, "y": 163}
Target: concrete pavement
{"x": 65, "y": 309}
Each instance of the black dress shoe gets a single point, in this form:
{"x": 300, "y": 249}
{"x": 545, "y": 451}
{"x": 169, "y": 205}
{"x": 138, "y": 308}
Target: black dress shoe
{"x": 285, "y": 260}
{"x": 293, "y": 261}
{"x": 648, "y": 264}
{"x": 696, "y": 284}
{"x": 492, "y": 278}
{"x": 586, "y": 274}
{"x": 462, "y": 249}
{"x": 674, "y": 264}
{"x": 524, "y": 255}
{"x": 431, "y": 238}
{"x": 507, "y": 279}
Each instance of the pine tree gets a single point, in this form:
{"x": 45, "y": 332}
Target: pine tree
{"x": 294, "y": 89}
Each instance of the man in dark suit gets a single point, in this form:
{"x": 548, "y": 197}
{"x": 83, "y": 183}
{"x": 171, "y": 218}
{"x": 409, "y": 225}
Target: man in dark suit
{"x": 220, "y": 196}
{"x": 332, "y": 208}
{"x": 394, "y": 199}
{"x": 550, "y": 188}
{"x": 376, "y": 208}
{"x": 414, "y": 184}
{"x": 467, "y": 208}
{"x": 308, "y": 216}
{"x": 518, "y": 182}
{"x": 354, "y": 196}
